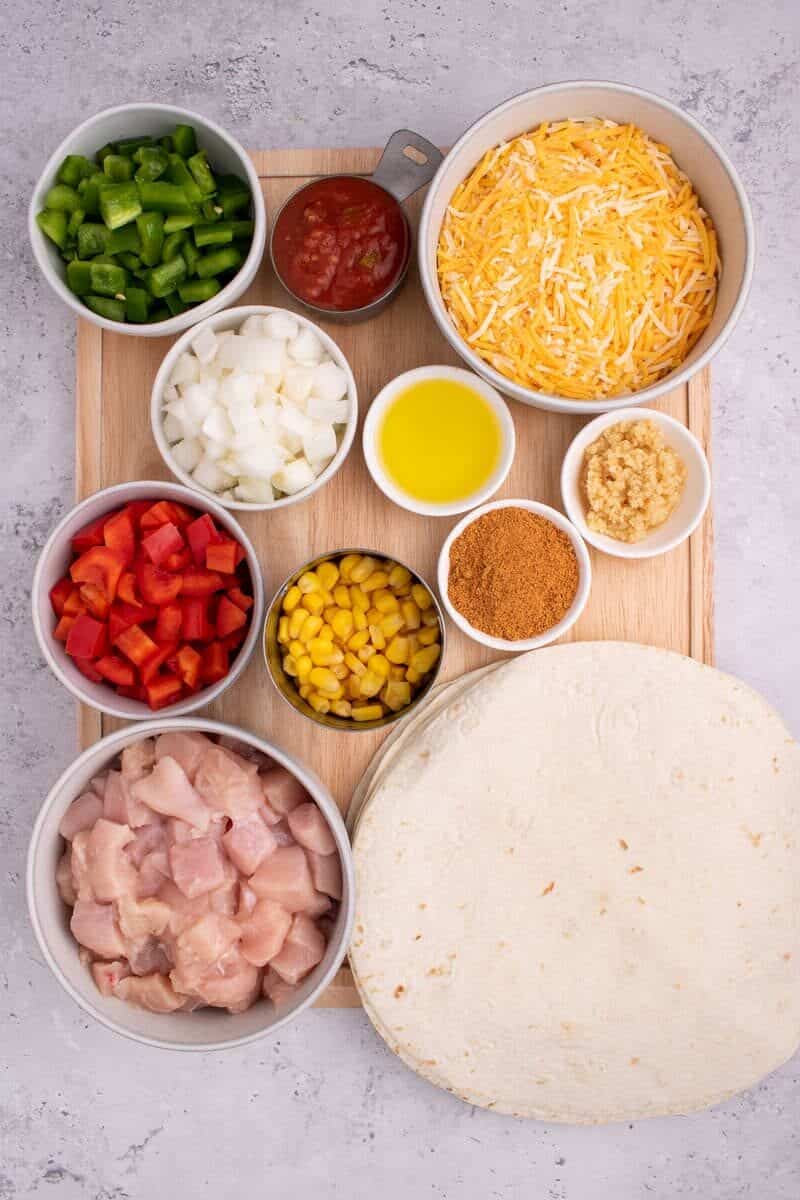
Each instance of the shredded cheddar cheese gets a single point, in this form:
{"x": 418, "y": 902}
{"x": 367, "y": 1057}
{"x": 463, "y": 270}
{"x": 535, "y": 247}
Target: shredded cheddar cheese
{"x": 576, "y": 260}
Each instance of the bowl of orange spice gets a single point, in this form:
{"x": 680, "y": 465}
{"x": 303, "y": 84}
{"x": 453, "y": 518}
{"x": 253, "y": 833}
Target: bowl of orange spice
{"x": 514, "y": 575}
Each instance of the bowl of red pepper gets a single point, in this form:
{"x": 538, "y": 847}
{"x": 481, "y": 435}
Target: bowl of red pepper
{"x": 147, "y": 597}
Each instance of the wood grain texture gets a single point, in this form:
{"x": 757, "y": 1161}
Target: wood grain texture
{"x": 665, "y": 601}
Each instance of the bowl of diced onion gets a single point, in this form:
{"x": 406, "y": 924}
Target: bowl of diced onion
{"x": 257, "y": 407}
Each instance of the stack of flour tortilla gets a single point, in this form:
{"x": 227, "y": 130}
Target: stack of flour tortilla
{"x": 578, "y": 886}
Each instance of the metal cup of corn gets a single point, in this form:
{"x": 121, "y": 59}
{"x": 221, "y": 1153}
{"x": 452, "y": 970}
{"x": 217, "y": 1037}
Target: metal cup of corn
{"x": 354, "y": 640}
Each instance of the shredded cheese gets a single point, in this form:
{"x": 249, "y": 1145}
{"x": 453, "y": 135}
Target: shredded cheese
{"x": 576, "y": 260}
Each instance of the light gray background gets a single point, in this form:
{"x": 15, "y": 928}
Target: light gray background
{"x": 326, "y": 1110}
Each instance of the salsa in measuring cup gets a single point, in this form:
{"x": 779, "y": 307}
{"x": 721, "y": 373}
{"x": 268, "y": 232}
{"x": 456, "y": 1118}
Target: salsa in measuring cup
{"x": 341, "y": 243}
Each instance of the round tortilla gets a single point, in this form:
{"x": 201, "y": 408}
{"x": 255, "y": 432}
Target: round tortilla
{"x": 578, "y": 887}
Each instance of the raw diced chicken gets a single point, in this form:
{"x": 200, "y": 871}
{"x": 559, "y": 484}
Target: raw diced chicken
{"x": 79, "y": 861}
{"x": 282, "y": 833}
{"x": 167, "y": 790}
{"x": 147, "y": 838}
{"x": 64, "y": 881}
{"x": 252, "y": 755}
{"x": 326, "y": 872}
{"x": 178, "y": 831}
{"x": 248, "y": 843}
{"x": 268, "y": 814}
{"x": 285, "y": 876}
{"x": 95, "y": 927}
{"x": 247, "y": 902}
{"x": 183, "y": 912}
{"x": 282, "y": 791}
{"x": 81, "y": 814}
{"x": 264, "y": 932}
{"x": 303, "y": 949}
{"x": 153, "y": 992}
{"x": 197, "y": 866}
{"x": 310, "y": 829}
{"x": 140, "y": 919}
{"x": 206, "y": 941}
{"x": 137, "y": 759}
{"x": 275, "y": 989}
{"x": 226, "y": 785}
{"x": 225, "y": 899}
{"x": 98, "y": 784}
{"x": 108, "y": 974}
{"x": 111, "y": 872}
{"x": 318, "y": 906}
{"x": 119, "y": 804}
{"x": 186, "y": 748}
{"x": 232, "y": 983}
{"x": 146, "y": 955}
{"x": 152, "y": 873}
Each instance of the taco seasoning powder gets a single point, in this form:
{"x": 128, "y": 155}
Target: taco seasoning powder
{"x": 513, "y": 574}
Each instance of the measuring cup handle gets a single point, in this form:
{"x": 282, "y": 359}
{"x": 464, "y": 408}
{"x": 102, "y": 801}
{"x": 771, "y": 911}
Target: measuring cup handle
{"x": 408, "y": 162}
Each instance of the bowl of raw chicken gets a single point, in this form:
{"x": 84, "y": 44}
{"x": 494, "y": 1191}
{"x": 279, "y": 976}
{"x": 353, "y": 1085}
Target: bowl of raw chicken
{"x": 190, "y": 885}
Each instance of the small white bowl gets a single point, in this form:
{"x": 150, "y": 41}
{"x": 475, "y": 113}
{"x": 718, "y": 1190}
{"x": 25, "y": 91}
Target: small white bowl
{"x": 686, "y": 517}
{"x": 54, "y": 562}
{"x": 372, "y": 425}
{"x": 575, "y": 609}
{"x": 208, "y": 1028}
{"x": 232, "y": 318}
{"x": 132, "y": 120}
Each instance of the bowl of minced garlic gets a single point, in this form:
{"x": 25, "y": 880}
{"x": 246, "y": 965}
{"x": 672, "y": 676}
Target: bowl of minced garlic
{"x": 635, "y": 483}
{"x": 514, "y": 575}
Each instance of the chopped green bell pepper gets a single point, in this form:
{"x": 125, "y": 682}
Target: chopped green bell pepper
{"x": 178, "y": 221}
{"x": 192, "y": 256}
{"x": 129, "y": 146}
{"x": 53, "y": 224}
{"x": 219, "y": 234}
{"x": 73, "y": 169}
{"x": 120, "y": 203}
{"x": 117, "y": 168}
{"x": 137, "y": 305}
{"x": 62, "y": 198}
{"x": 76, "y": 219}
{"x": 103, "y": 152}
{"x": 195, "y": 291}
{"x": 79, "y": 277}
{"x": 89, "y": 192}
{"x": 184, "y": 140}
{"x": 153, "y": 162}
{"x": 179, "y": 173}
{"x": 163, "y": 279}
{"x": 108, "y": 279}
{"x": 218, "y": 261}
{"x": 151, "y": 233}
{"x": 92, "y": 239}
{"x": 202, "y": 173}
{"x": 163, "y": 197}
{"x": 175, "y": 304}
{"x": 172, "y": 245}
{"x": 126, "y": 238}
{"x": 129, "y": 260}
{"x": 104, "y": 306}
{"x": 233, "y": 195}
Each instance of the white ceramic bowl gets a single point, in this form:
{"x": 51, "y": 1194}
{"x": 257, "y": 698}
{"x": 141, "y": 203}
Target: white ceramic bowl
{"x": 686, "y": 517}
{"x": 205, "y": 1029}
{"x": 695, "y": 151}
{"x": 232, "y": 318}
{"x": 53, "y": 564}
{"x": 131, "y": 120}
{"x": 372, "y": 427}
{"x": 575, "y": 609}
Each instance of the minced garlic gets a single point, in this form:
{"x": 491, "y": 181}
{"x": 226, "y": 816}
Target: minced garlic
{"x": 632, "y": 480}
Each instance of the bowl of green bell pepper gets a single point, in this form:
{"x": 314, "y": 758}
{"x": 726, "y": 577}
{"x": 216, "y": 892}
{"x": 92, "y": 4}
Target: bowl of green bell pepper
{"x": 147, "y": 219}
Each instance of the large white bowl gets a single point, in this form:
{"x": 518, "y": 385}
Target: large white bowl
{"x": 695, "y": 151}
{"x": 693, "y": 503}
{"x": 232, "y": 318}
{"x": 53, "y": 564}
{"x": 131, "y": 120}
{"x": 208, "y": 1028}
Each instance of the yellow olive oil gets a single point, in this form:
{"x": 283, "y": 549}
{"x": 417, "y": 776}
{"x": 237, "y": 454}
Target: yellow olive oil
{"x": 439, "y": 441}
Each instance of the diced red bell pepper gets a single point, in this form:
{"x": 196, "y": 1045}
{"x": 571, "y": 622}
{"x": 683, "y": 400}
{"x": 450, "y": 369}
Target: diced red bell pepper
{"x": 201, "y": 533}
{"x": 101, "y": 566}
{"x": 179, "y": 561}
{"x": 156, "y": 586}
{"x": 119, "y": 534}
{"x": 95, "y": 600}
{"x": 122, "y": 616}
{"x": 74, "y": 604}
{"x": 168, "y": 624}
{"x": 200, "y": 582}
{"x": 137, "y": 509}
{"x": 240, "y": 599}
{"x": 229, "y": 617}
{"x": 87, "y": 638}
{"x": 59, "y": 594}
{"x": 164, "y": 511}
{"x": 126, "y": 589}
{"x": 214, "y": 664}
{"x": 87, "y": 668}
{"x": 162, "y": 542}
{"x": 188, "y": 666}
{"x": 149, "y": 669}
{"x": 131, "y": 693}
{"x": 116, "y": 670}
{"x": 234, "y": 640}
{"x": 221, "y": 556}
{"x": 61, "y": 631}
{"x": 136, "y": 645}
{"x": 165, "y": 689}
{"x": 195, "y": 618}
{"x": 90, "y": 535}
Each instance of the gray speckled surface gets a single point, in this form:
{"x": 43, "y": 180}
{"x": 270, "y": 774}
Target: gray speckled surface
{"x": 86, "y": 1114}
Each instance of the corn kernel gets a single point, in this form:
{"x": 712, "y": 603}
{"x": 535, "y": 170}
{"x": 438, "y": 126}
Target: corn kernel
{"x": 283, "y": 631}
{"x": 290, "y": 665}
{"x": 327, "y": 598}
{"x": 353, "y": 690}
{"x": 329, "y": 613}
{"x": 341, "y": 708}
{"x": 374, "y": 615}
{"x": 376, "y": 637}
{"x": 396, "y": 695}
{"x": 424, "y": 659}
{"x": 370, "y": 684}
{"x": 363, "y": 569}
{"x": 413, "y": 676}
{"x": 385, "y": 602}
{"x": 358, "y": 639}
{"x": 398, "y": 672}
{"x": 304, "y": 665}
{"x": 310, "y": 628}
{"x": 312, "y": 602}
{"x": 342, "y": 623}
{"x": 380, "y": 665}
{"x": 341, "y": 596}
{"x": 359, "y": 619}
{"x": 366, "y": 653}
{"x": 378, "y": 579}
{"x": 324, "y": 680}
{"x": 413, "y": 645}
{"x": 399, "y": 576}
{"x": 347, "y": 564}
{"x": 397, "y": 650}
{"x": 411, "y": 614}
{"x": 324, "y": 653}
{"x": 292, "y": 599}
{"x": 308, "y": 582}
{"x": 367, "y": 712}
{"x": 422, "y": 596}
{"x": 355, "y": 664}
{"x": 327, "y": 574}
{"x": 296, "y": 621}
{"x": 428, "y": 635}
{"x": 305, "y": 690}
{"x": 391, "y": 625}
{"x": 430, "y": 617}
{"x": 340, "y": 671}
{"x": 359, "y": 599}
{"x": 319, "y": 703}
{"x": 296, "y": 648}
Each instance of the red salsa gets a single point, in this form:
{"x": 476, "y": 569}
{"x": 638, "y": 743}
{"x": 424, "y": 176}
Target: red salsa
{"x": 341, "y": 243}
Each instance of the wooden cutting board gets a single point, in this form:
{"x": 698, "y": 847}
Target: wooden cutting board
{"x": 664, "y": 601}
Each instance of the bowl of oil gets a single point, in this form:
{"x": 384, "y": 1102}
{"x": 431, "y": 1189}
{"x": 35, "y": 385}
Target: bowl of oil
{"x": 438, "y": 440}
